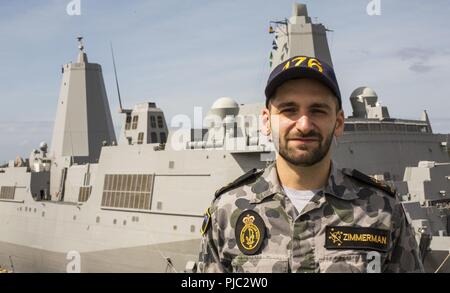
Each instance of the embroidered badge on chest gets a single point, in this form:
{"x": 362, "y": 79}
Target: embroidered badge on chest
{"x": 342, "y": 237}
{"x": 250, "y": 232}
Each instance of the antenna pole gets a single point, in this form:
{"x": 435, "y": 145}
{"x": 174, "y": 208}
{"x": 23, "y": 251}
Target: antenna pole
{"x": 117, "y": 81}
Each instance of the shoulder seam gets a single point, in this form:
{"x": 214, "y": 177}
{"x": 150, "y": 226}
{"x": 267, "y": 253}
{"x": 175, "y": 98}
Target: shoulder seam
{"x": 250, "y": 175}
{"x": 361, "y": 177}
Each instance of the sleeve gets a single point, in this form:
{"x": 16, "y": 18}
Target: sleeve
{"x": 405, "y": 257}
{"x": 209, "y": 259}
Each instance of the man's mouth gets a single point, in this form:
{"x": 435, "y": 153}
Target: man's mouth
{"x": 304, "y": 139}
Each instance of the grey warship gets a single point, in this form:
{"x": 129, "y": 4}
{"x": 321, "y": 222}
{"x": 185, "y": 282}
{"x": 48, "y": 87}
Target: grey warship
{"x": 92, "y": 202}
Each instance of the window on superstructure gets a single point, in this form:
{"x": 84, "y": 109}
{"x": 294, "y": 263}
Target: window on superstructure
{"x": 135, "y": 122}
{"x": 153, "y": 137}
{"x": 140, "y": 138}
{"x": 128, "y": 122}
{"x": 160, "y": 122}
{"x": 153, "y": 121}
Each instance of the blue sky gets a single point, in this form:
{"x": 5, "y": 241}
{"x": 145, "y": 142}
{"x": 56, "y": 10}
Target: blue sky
{"x": 186, "y": 53}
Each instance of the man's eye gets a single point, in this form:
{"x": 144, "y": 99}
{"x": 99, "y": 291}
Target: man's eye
{"x": 318, "y": 111}
{"x": 287, "y": 110}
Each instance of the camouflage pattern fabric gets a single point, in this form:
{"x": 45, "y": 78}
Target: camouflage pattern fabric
{"x": 383, "y": 240}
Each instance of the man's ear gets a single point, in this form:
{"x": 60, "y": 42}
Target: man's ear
{"x": 339, "y": 131}
{"x": 265, "y": 127}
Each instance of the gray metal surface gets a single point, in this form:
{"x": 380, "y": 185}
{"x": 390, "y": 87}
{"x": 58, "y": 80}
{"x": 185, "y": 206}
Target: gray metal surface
{"x": 137, "y": 204}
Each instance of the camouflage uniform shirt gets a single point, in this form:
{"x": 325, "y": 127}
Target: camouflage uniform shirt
{"x": 351, "y": 225}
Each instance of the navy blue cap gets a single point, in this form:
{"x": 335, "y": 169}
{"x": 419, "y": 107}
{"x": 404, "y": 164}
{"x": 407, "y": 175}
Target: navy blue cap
{"x": 302, "y": 67}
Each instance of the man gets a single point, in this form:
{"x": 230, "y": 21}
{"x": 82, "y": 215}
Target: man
{"x": 302, "y": 213}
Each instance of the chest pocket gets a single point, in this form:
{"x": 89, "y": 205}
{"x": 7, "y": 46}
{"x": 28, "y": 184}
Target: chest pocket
{"x": 260, "y": 264}
{"x": 351, "y": 261}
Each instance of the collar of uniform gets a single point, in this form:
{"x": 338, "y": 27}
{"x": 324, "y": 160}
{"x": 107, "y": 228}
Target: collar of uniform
{"x": 339, "y": 185}
{"x": 266, "y": 185}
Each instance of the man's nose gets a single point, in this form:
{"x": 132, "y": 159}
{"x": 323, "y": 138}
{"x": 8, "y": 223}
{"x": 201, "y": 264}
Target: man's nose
{"x": 304, "y": 124}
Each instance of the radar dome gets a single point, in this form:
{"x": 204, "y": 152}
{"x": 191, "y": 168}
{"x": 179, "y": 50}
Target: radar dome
{"x": 361, "y": 98}
{"x": 225, "y": 103}
{"x": 364, "y": 92}
{"x": 223, "y": 107}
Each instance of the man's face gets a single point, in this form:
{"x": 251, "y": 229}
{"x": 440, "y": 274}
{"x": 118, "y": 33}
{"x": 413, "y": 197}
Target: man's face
{"x": 303, "y": 119}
